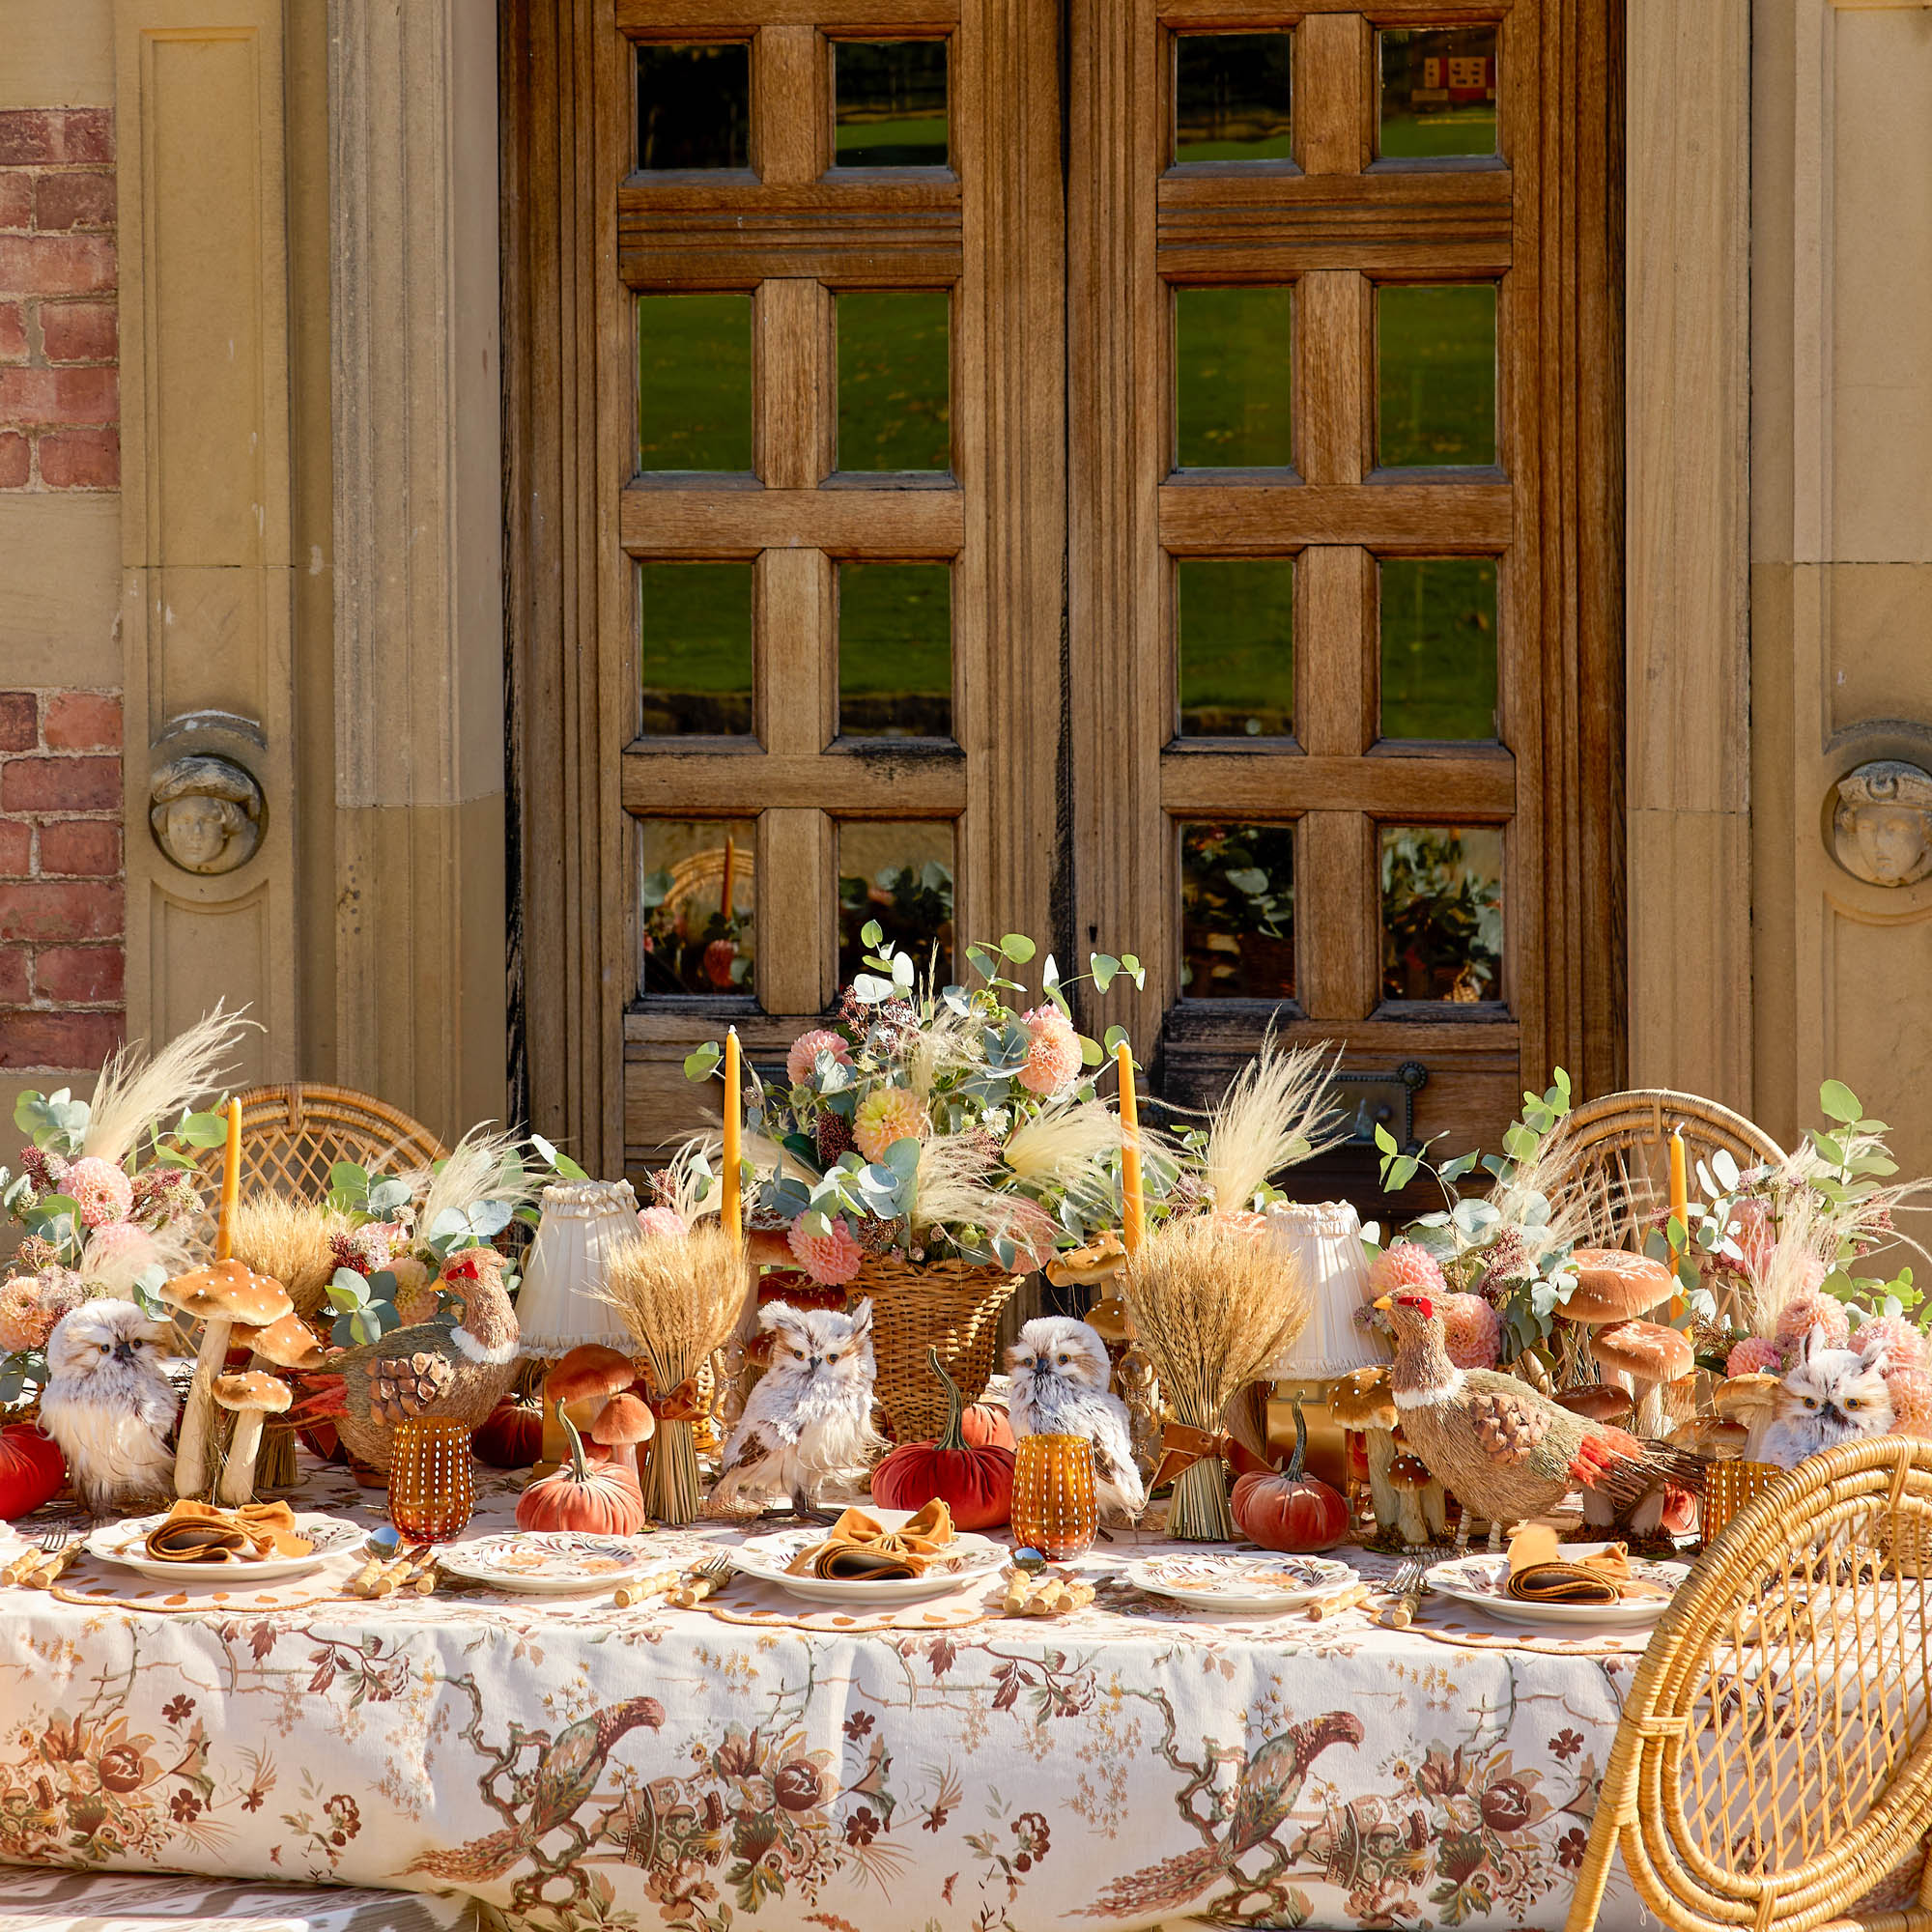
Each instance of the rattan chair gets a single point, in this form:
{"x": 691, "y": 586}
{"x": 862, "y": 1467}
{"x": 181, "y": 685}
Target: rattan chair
{"x": 293, "y": 1135}
{"x": 1617, "y": 1150}
{"x": 1773, "y": 1769}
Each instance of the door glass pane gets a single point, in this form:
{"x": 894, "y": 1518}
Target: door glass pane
{"x": 1235, "y": 618}
{"x": 902, "y": 875}
{"x": 696, "y": 906}
{"x": 693, "y": 382}
{"x": 1234, "y": 378}
{"x": 1438, "y": 656}
{"x": 1230, "y": 97}
{"x": 1442, "y": 912}
{"x": 1237, "y": 912}
{"x": 1438, "y": 91}
{"x": 1436, "y": 374}
{"x": 894, "y": 382}
{"x": 889, "y": 103}
{"x": 694, "y": 107}
{"x": 895, "y": 650}
{"x": 695, "y": 647}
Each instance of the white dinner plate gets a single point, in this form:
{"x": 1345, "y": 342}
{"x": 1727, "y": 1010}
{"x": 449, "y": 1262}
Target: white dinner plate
{"x": 965, "y": 1559}
{"x": 542, "y": 1562}
{"x": 1214, "y": 1581}
{"x": 124, "y": 1543}
{"x": 1480, "y": 1581}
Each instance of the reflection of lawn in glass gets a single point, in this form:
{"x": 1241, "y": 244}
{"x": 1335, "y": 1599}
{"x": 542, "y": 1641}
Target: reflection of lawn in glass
{"x": 1455, "y": 130}
{"x": 894, "y": 382}
{"x": 1438, "y": 647}
{"x": 694, "y": 381}
{"x": 695, "y": 622}
{"x": 1233, "y": 377}
{"x": 1436, "y": 374}
{"x": 1237, "y": 627}
{"x": 917, "y": 141}
{"x": 895, "y": 650}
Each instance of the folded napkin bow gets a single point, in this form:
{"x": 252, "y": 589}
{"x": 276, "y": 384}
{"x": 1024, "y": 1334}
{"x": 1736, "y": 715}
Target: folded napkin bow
{"x": 861, "y": 1546}
{"x": 1539, "y": 1576}
{"x": 194, "y": 1532}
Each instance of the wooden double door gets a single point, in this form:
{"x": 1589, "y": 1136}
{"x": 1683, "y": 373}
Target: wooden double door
{"x": 1142, "y": 474}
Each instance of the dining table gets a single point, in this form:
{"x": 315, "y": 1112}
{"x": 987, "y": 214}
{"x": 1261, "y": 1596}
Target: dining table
{"x": 752, "y": 1761}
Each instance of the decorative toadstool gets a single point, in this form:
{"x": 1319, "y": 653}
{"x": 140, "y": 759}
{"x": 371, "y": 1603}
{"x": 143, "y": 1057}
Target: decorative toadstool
{"x": 1599, "y": 1402}
{"x": 287, "y": 1343}
{"x": 580, "y": 1381}
{"x": 1615, "y": 1285}
{"x": 1408, "y": 1476}
{"x": 625, "y": 1425}
{"x": 1650, "y": 1355}
{"x": 1362, "y": 1401}
{"x": 250, "y": 1397}
{"x": 217, "y": 1297}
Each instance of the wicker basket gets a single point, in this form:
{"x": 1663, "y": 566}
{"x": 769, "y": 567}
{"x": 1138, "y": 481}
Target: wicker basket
{"x": 951, "y": 1306}
{"x": 1728, "y": 1485}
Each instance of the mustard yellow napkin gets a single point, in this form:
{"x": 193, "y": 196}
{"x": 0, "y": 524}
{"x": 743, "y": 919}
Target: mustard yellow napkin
{"x": 1538, "y": 1575}
{"x": 193, "y": 1532}
{"x": 861, "y": 1546}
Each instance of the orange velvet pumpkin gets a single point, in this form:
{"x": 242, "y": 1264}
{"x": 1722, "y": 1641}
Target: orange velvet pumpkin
{"x": 32, "y": 1469}
{"x": 511, "y": 1434}
{"x": 599, "y": 1499}
{"x": 974, "y": 1480}
{"x": 1287, "y": 1510}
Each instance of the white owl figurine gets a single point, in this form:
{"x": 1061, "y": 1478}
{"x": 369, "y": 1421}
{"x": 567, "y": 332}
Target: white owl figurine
{"x": 1827, "y": 1396}
{"x": 810, "y": 1419}
{"x": 1058, "y": 1369}
{"x": 110, "y": 1406}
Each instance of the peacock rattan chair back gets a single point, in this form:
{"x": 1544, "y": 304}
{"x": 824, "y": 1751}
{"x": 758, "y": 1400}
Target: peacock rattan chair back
{"x": 293, "y": 1135}
{"x": 1773, "y": 1769}
{"x": 1616, "y": 1152}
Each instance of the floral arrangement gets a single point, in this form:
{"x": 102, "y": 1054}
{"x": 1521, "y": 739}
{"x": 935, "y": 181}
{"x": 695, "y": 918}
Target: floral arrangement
{"x": 935, "y": 1122}
{"x": 393, "y": 1232}
{"x": 106, "y": 1192}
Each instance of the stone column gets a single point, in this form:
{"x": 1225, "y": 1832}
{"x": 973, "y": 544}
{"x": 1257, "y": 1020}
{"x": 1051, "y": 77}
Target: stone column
{"x": 420, "y": 938}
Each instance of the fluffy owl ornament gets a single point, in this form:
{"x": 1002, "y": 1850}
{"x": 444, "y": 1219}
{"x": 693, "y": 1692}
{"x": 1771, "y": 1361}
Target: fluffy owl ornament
{"x": 109, "y": 1405}
{"x": 810, "y": 1419}
{"x": 1827, "y": 1396}
{"x": 1058, "y": 1369}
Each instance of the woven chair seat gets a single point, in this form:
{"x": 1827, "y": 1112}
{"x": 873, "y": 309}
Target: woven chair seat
{"x": 1773, "y": 1766}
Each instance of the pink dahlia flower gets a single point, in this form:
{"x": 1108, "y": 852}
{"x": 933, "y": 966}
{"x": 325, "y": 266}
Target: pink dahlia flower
{"x": 1471, "y": 1330}
{"x": 831, "y": 1259}
{"x": 1754, "y": 1355}
{"x": 1404, "y": 1266}
{"x": 806, "y": 1049}
{"x": 32, "y": 1305}
{"x": 102, "y": 1192}
{"x": 661, "y": 1220}
{"x": 1808, "y": 1310}
{"x": 1053, "y": 1059}
{"x": 1902, "y": 1344}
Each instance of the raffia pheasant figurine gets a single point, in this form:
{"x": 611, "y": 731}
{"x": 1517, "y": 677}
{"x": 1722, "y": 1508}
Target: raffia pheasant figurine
{"x": 459, "y": 1364}
{"x": 1509, "y": 1453}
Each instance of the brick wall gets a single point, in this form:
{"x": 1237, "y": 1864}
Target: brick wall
{"x": 61, "y": 877}
{"x": 60, "y": 405}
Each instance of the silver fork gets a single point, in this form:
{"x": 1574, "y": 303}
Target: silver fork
{"x": 1411, "y": 1579}
{"x": 54, "y": 1540}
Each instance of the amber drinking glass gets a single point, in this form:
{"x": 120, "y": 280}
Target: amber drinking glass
{"x": 1055, "y": 1509}
{"x": 432, "y": 1480}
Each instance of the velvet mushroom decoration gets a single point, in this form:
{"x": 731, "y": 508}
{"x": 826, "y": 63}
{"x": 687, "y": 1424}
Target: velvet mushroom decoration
{"x": 624, "y": 1426}
{"x": 219, "y": 1296}
{"x": 580, "y": 1381}
{"x": 1363, "y": 1401}
{"x": 250, "y": 1397}
{"x": 1409, "y": 1477}
{"x": 1599, "y": 1402}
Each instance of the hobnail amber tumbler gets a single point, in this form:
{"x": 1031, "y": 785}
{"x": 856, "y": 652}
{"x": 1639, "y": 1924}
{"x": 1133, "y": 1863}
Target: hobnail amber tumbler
{"x": 1728, "y": 1485}
{"x": 1055, "y": 1510}
{"x": 432, "y": 1480}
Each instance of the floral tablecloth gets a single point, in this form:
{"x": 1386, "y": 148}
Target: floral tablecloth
{"x": 578, "y": 1766}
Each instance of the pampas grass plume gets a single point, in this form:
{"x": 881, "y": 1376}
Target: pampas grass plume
{"x": 1277, "y": 1112}
{"x": 132, "y": 1091}
{"x": 481, "y": 1167}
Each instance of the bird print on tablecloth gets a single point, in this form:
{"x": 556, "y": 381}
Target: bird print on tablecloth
{"x": 1266, "y": 1794}
{"x": 1058, "y": 1369}
{"x": 459, "y": 1364}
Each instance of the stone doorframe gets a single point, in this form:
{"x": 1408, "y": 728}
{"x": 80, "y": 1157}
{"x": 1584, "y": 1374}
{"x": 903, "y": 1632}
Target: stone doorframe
{"x": 377, "y": 908}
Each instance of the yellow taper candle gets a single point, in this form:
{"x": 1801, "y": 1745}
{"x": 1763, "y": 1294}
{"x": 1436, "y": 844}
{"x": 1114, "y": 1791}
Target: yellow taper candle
{"x": 734, "y": 1104}
{"x": 1133, "y": 1204}
{"x": 231, "y": 1183}
{"x": 1680, "y": 1206}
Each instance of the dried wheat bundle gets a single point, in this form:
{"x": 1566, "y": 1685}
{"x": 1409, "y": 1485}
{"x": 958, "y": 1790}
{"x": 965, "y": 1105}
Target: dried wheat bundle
{"x": 679, "y": 1295}
{"x": 1212, "y": 1308}
{"x": 290, "y": 1240}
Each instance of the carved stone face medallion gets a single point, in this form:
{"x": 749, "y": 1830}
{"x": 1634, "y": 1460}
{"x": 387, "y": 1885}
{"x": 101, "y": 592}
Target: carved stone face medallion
{"x": 1881, "y": 823}
{"x": 206, "y": 812}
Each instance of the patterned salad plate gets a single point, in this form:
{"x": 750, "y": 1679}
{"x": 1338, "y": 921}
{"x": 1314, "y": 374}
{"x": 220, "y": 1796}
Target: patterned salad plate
{"x": 1206, "y": 1580}
{"x": 967, "y": 1559}
{"x": 542, "y": 1562}
{"x": 124, "y": 1542}
{"x": 1479, "y": 1580}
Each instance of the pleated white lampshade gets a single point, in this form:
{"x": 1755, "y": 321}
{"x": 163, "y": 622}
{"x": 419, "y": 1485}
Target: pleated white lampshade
{"x": 558, "y": 1309}
{"x": 1327, "y": 1238}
